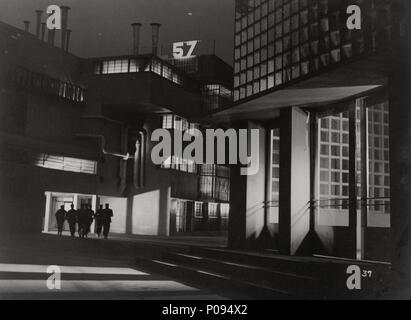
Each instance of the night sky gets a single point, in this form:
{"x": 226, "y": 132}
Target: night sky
{"x": 102, "y": 27}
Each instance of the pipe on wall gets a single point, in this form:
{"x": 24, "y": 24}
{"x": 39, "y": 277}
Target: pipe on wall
{"x": 142, "y": 157}
{"x": 136, "y": 169}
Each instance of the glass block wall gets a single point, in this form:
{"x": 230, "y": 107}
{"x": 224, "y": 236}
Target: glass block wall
{"x": 334, "y": 158}
{"x": 278, "y": 41}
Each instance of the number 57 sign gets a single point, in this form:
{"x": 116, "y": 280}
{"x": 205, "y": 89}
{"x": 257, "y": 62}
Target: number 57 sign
{"x": 184, "y": 49}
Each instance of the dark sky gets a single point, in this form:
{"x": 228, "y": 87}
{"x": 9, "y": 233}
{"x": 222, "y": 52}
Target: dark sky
{"x": 102, "y": 27}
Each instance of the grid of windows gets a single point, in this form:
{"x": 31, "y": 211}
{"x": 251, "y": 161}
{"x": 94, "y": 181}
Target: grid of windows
{"x": 275, "y": 165}
{"x": 216, "y": 90}
{"x": 215, "y": 182}
{"x": 273, "y": 203}
{"x": 66, "y": 163}
{"x": 334, "y": 157}
{"x": 334, "y": 161}
{"x": 378, "y": 155}
{"x": 180, "y": 215}
{"x": 172, "y": 121}
{"x": 277, "y": 41}
{"x": 187, "y": 216}
{"x": 132, "y": 65}
{"x": 41, "y": 82}
{"x": 181, "y": 164}
{"x": 198, "y": 210}
{"x": 215, "y": 96}
{"x": 212, "y": 210}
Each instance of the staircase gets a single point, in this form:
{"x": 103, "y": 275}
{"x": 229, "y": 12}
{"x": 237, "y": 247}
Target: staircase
{"x": 263, "y": 275}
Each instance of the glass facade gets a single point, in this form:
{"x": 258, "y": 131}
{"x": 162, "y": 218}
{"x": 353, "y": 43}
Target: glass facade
{"x": 275, "y": 176}
{"x": 66, "y": 163}
{"x": 133, "y": 65}
{"x": 187, "y": 216}
{"x": 278, "y": 41}
{"x": 214, "y": 97}
{"x": 214, "y": 182}
{"x": 334, "y": 157}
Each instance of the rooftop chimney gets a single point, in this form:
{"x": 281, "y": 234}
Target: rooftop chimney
{"x": 68, "y": 33}
{"x": 64, "y": 19}
{"x": 136, "y": 37}
{"x": 51, "y": 36}
{"x": 43, "y": 31}
{"x": 38, "y": 23}
{"x": 26, "y": 26}
{"x": 155, "y": 37}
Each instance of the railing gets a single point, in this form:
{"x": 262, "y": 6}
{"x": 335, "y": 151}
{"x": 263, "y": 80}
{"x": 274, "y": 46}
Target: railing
{"x": 341, "y": 204}
{"x": 42, "y": 83}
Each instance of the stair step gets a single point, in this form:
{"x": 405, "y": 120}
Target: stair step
{"x": 275, "y": 263}
{"x": 214, "y": 281}
{"x": 285, "y": 281}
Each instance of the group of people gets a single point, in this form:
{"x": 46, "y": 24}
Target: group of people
{"x": 83, "y": 218}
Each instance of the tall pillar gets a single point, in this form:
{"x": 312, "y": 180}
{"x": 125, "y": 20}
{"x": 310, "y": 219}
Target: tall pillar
{"x": 364, "y": 177}
{"x": 75, "y": 201}
{"x": 352, "y": 241}
{"x": 238, "y": 204}
{"x": 248, "y": 197}
{"x": 94, "y": 208}
{"x": 47, "y": 211}
{"x": 294, "y": 211}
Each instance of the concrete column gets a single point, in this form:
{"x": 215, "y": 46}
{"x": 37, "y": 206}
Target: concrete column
{"x": 94, "y": 208}
{"x": 75, "y": 201}
{"x": 248, "y": 197}
{"x": 364, "y": 177}
{"x": 294, "y": 212}
{"x": 352, "y": 183}
{"x": 47, "y": 211}
{"x": 238, "y": 204}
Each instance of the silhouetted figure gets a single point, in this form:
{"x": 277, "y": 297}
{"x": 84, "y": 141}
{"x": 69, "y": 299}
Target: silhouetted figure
{"x": 98, "y": 217}
{"x": 71, "y": 218}
{"x": 82, "y": 221}
{"x": 107, "y": 214}
{"x": 60, "y": 217}
{"x": 89, "y": 216}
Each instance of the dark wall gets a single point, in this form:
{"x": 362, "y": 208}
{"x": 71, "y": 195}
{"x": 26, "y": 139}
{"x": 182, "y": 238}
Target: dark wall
{"x": 22, "y": 195}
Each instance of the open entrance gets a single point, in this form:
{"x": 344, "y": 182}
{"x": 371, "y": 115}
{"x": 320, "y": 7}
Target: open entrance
{"x": 54, "y": 200}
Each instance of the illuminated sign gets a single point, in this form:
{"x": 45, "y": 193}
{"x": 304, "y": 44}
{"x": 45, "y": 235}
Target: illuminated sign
{"x": 184, "y": 49}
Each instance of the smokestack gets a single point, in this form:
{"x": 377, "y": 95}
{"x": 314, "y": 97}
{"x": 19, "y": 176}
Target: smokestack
{"x": 51, "y": 36}
{"x": 155, "y": 37}
{"x": 136, "y": 37}
{"x": 64, "y": 20}
{"x": 38, "y": 23}
{"x": 43, "y": 31}
{"x": 26, "y": 26}
{"x": 68, "y": 33}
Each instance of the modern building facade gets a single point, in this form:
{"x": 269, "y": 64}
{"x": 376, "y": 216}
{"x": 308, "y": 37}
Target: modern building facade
{"x": 76, "y": 130}
{"x": 318, "y": 93}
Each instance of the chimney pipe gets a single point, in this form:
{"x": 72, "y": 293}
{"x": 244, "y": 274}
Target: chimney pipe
{"x": 64, "y": 20}
{"x": 43, "y": 31}
{"x": 155, "y": 27}
{"x": 38, "y": 23}
{"x": 68, "y": 33}
{"x": 26, "y": 26}
{"x": 51, "y": 36}
{"x": 136, "y": 37}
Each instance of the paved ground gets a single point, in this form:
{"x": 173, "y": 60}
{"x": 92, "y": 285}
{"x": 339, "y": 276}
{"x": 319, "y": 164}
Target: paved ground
{"x": 91, "y": 269}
